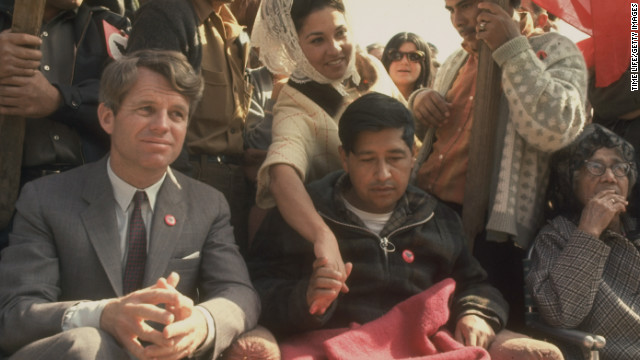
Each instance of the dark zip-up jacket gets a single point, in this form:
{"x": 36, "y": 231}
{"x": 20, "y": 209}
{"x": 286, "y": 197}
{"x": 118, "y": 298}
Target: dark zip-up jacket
{"x": 421, "y": 244}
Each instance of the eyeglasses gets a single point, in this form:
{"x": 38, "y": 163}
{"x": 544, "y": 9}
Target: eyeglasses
{"x": 413, "y": 56}
{"x": 597, "y": 169}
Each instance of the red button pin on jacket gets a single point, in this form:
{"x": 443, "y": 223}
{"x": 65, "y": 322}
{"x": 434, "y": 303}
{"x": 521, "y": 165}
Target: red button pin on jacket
{"x": 407, "y": 255}
{"x": 170, "y": 220}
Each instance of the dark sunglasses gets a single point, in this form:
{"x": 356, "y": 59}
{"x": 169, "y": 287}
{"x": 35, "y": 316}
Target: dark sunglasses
{"x": 413, "y": 56}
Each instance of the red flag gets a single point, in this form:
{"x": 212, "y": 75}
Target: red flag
{"x": 116, "y": 40}
{"x": 608, "y": 23}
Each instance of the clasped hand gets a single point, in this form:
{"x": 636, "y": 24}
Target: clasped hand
{"x": 126, "y": 319}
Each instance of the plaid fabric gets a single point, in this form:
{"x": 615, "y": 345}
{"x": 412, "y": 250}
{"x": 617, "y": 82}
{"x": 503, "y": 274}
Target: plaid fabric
{"x": 590, "y": 284}
{"x": 280, "y": 263}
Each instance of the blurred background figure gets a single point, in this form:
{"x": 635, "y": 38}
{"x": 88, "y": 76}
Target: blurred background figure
{"x": 376, "y": 50}
{"x": 407, "y": 59}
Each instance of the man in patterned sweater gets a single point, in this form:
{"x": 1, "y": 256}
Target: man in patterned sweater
{"x": 544, "y": 83}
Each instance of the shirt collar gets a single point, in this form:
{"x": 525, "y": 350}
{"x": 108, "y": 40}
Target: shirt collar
{"x": 123, "y": 192}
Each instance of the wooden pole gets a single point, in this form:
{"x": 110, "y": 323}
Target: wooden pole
{"x": 27, "y": 18}
{"x": 483, "y": 141}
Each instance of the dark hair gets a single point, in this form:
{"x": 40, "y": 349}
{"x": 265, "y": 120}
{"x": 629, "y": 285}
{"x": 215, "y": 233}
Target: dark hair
{"x": 567, "y": 161}
{"x": 396, "y": 42}
{"x": 121, "y": 75}
{"x": 300, "y": 9}
{"x": 374, "y": 112}
{"x": 515, "y": 3}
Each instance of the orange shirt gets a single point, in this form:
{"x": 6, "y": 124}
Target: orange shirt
{"x": 444, "y": 172}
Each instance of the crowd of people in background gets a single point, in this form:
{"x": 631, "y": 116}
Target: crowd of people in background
{"x": 193, "y": 171}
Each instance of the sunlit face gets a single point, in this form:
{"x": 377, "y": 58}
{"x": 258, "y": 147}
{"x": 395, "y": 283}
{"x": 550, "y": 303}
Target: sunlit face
{"x": 379, "y": 168}
{"x": 464, "y": 14}
{"x": 404, "y": 72}
{"x": 325, "y": 41}
{"x": 586, "y": 185}
{"x": 148, "y": 130}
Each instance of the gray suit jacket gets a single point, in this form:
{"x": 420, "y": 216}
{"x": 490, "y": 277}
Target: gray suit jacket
{"x": 65, "y": 247}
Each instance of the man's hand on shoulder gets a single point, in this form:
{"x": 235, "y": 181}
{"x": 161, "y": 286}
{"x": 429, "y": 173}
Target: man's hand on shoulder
{"x": 325, "y": 285}
{"x": 472, "y": 330}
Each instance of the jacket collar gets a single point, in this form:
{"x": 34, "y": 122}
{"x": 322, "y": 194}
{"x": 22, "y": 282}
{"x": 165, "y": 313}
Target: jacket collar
{"x": 414, "y": 206}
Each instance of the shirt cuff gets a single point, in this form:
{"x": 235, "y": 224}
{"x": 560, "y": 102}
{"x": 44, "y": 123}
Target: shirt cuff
{"x": 211, "y": 333}
{"x": 83, "y": 314}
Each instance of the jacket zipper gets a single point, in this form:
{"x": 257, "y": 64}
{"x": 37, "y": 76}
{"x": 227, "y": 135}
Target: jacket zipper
{"x": 386, "y": 245}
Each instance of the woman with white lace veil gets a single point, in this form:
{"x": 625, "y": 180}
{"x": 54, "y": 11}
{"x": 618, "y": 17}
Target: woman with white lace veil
{"x": 310, "y": 42}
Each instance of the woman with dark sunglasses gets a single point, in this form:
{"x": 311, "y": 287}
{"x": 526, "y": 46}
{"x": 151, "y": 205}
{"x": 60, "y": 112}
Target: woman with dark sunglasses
{"x": 408, "y": 61}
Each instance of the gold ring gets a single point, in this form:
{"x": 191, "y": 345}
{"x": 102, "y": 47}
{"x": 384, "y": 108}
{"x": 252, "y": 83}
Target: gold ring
{"x": 482, "y": 26}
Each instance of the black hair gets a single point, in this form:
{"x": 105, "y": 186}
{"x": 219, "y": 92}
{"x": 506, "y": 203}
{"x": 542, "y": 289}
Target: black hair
{"x": 394, "y": 44}
{"x": 300, "y": 9}
{"x": 374, "y": 112}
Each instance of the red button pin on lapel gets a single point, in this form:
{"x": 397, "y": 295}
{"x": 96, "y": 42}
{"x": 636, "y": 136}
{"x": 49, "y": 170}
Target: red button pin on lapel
{"x": 407, "y": 255}
{"x": 170, "y": 220}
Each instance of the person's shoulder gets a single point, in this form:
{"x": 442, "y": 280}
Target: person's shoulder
{"x": 553, "y": 43}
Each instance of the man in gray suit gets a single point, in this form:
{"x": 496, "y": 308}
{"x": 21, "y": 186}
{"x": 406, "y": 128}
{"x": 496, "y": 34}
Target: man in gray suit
{"x": 90, "y": 273}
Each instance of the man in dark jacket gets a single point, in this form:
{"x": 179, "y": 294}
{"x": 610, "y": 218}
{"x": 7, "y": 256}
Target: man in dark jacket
{"x": 397, "y": 240}
{"x": 56, "y": 86}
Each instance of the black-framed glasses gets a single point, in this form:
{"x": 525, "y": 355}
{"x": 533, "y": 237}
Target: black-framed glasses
{"x": 595, "y": 168}
{"x": 413, "y": 56}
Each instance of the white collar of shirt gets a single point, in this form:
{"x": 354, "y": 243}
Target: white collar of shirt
{"x": 123, "y": 192}
{"x": 373, "y": 222}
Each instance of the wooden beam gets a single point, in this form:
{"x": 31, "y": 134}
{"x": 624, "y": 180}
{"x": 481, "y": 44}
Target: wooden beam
{"x": 483, "y": 141}
{"x": 27, "y": 18}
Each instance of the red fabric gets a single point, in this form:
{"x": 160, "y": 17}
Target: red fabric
{"x": 411, "y": 330}
{"x": 608, "y": 23}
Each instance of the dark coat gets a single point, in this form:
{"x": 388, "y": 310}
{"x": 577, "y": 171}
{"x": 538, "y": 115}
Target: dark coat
{"x": 80, "y": 97}
{"x": 280, "y": 263}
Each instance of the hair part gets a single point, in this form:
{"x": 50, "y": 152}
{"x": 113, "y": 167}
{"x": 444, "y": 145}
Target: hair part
{"x": 120, "y": 76}
{"x": 301, "y": 9}
{"x": 396, "y": 42}
{"x": 374, "y": 112}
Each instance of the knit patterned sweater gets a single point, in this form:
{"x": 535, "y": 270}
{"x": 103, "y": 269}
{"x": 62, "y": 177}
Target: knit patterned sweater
{"x": 544, "y": 82}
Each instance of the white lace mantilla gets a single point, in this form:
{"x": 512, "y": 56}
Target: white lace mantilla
{"x": 275, "y": 35}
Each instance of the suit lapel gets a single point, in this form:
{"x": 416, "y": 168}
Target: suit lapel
{"x": 100, "y": 222}
{"x": 165, "y": 235}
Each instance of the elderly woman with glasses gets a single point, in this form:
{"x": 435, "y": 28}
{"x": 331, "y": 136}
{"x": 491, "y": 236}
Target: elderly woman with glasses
{"x": 585, "y": 270}
{"x": 407, "y": 60}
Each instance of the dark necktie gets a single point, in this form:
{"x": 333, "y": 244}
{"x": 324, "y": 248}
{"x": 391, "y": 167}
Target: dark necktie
{"x": 137, "y": 247}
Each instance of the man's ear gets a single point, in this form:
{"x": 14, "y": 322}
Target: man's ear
{"x": 343, "y": 158}
{"x": 106, "y": 117}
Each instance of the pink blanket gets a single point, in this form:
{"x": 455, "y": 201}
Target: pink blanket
{"x": 411, "y": 330}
